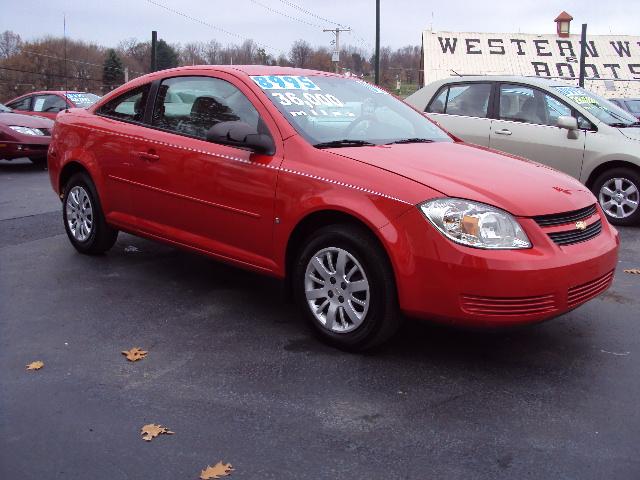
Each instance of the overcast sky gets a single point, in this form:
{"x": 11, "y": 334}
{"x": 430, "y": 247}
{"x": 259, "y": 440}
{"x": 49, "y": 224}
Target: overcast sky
{"x": 107, "y": 22}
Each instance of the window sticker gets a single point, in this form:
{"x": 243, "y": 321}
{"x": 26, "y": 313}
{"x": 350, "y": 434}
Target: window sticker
{"x": 39, "y": 103}
{"x": 317, "y": 104}
{"x": 284, "y": 82}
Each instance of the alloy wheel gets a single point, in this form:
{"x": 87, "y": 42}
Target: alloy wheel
{"x": 619, "y": 197}
{"x": 79, "y": 213}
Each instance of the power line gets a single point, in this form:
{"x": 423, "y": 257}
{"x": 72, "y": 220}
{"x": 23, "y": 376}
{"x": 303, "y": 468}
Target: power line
{"x": 273, "y": 10}
{"x": 202, "y": 22}
{"x": 311, "y": 14}
{"x": 50, "y": 74}
{"x": 74, "y": 61}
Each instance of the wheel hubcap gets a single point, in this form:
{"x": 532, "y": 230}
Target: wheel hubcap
{"x": 619, "y": 197}
{"x": 79, "y": 213}
{"x": 337, "y": 290}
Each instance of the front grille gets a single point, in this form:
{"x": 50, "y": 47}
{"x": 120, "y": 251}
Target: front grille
{"x": 505, "y": 306}
{"x": 586, "y": 291}
{"x": 570, "y": 237}
{"x": 567, "y": 217}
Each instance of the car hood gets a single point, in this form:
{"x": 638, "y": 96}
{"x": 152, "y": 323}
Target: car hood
{"x": 631, "y": 132}
{"x": 21, "y": 120}
{"x": 520, "y": 186}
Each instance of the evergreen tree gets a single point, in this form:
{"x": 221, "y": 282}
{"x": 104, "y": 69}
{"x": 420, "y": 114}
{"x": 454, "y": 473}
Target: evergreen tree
{"x": 112, "y": 71}
{"x": 166, "y": 56}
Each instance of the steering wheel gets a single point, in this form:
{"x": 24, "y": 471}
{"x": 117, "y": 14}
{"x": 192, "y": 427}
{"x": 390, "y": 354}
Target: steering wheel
{"x": 358, "y": 121}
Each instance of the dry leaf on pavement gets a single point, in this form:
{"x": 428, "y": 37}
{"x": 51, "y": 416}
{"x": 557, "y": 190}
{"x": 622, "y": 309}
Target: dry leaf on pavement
{"x": 37, "y": 365}
{"x": 152, "y": 430}
{"x": 633, "y": 271}
{"x": 217, "y": 471}
{"x": 135, "y": 354}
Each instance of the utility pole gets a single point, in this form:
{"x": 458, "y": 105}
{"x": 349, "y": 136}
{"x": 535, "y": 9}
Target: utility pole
{"x": 336, "y": 51}
{"x": 583, "y": 54}
{"x": 154, "y": 50}
{"x": 377, "y": 63}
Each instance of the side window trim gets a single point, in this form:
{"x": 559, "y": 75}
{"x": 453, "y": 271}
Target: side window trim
{"x": 142, "y": 123}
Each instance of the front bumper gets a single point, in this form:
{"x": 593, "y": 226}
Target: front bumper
{"x": 34, "y": 149}
{"x": 439, "y": 279}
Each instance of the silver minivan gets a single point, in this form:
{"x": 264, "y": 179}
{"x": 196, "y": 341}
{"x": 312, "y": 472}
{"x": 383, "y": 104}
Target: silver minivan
{"x": 548, "y": 121}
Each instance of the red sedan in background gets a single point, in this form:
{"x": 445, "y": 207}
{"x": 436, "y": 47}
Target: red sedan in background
{"x": 24, "y": 136}
{"x": 49, "y": 103}
{"x": 364, "y": 206}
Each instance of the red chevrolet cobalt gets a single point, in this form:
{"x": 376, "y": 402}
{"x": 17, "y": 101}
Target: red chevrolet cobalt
{"x": 364, "y": 206}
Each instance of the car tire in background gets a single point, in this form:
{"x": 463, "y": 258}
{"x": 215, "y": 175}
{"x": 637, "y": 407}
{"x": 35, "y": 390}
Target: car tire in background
{"x": 39, "y": 162}
{"x": 344, "y": 284}
{"x": 618, "y": 192}
{"x": 83, "y": 219}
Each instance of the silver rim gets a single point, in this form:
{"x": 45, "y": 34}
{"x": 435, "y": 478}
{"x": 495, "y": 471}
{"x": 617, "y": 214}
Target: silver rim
{"x": 79, "y": 213}
{"x": 619, "y": 197}
{"x": 337, "y": 290}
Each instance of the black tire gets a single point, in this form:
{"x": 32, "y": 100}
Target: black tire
{"x": 630, "y": 177}
{"x": 101, "y": 237}
{"x": 382, "y": 317}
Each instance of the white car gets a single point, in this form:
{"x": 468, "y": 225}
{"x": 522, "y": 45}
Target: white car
{"x": 563, "y": 126}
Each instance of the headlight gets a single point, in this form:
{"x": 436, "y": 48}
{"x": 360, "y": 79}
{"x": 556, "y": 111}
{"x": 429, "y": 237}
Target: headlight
{"x": 27, "y": 131}
{"x": 475, "y": 224}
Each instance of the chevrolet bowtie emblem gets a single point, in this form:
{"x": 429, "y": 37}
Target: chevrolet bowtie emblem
{"x": 581, "y": 225}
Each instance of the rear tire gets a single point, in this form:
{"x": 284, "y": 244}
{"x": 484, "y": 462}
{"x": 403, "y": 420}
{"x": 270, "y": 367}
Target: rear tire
{"x": 344, "y": 285}
{"x": 83, "y": 219}
{"x": 618, "y": 192}
{"x": 39, "y": 162}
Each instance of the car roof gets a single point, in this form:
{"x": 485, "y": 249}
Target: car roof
{"x": 534, "y": 80}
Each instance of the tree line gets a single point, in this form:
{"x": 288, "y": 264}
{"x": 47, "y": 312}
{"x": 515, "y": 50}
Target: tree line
{"x": 40, "y": 64}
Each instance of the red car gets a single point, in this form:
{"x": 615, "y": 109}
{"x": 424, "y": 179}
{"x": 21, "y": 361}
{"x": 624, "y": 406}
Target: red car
{"x": 49, "y": 103}
{"x": 364, "y": 206}
{"x": 24, "y": 136}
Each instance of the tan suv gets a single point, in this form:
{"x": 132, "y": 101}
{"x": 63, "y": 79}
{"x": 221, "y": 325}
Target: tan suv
{"x": 563, "y": 126}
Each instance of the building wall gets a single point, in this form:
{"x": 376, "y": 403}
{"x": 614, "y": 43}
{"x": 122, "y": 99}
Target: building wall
{"x": 612, "y": 62}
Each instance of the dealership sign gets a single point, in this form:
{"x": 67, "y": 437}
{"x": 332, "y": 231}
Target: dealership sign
{"x": 612, "y": 65}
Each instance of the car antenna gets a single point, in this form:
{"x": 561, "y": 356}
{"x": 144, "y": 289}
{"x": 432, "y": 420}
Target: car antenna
{"x": 455, "y": 73}
{"x": 66, "y": 87}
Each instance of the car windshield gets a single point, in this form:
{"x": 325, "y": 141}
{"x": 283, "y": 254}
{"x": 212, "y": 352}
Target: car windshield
{"x": 338, "y": 111}
{"x": 82, "y": 100}
{"x": 599, "y": 107}
{"x": 4, "y": 109}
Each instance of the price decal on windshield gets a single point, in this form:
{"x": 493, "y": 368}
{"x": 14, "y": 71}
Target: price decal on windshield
{"x": 284, "y": 82}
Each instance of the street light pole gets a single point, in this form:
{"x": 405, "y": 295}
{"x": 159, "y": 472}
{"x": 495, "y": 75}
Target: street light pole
{"x": 377, "y": 59}
{"x": 583, "y": 53}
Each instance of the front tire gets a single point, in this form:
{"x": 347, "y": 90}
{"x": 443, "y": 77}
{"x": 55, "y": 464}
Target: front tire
{"x": 344, "y": 285}
{"x": 83, "y": 219}
{"x": 618, "y": 192}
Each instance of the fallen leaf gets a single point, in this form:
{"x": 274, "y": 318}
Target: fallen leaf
{"x": 152, "y": 430}
{"x": 37, "y": 365}
{"x": 218, "y": 470}
{"x": 633, "y": 271}
{"x": 135, "y": 354}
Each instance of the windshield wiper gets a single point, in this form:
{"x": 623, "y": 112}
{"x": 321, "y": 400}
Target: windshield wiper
{"x": 411, "y": 140}
{"x": 344, "y": 143}
{"x": 624, "y": 125}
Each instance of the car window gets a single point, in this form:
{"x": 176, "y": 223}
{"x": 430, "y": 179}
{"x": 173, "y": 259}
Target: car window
{"x": 634, "y": 105}
{"x": 22, "y": 104}
{"x": 529, "y": 105}
{"x": 471, "y": 100}
{"x": 438, "y": 103}
{"x": 192, "y": 105}
{"x": 129, "y": 106}
{"x": 48, "y": 103}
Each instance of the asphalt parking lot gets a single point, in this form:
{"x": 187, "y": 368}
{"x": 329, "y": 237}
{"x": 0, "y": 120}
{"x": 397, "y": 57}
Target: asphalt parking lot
{"x": 236, "y": 375}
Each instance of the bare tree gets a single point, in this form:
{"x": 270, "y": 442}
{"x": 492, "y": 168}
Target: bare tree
{"x": 10, "y": 44}
{"x": 300, "y": 53}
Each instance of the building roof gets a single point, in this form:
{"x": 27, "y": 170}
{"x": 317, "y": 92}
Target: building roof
{"x": 563, "y": 17}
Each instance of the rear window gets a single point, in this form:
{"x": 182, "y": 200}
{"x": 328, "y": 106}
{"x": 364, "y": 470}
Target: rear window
{"x": 470, "y": 100}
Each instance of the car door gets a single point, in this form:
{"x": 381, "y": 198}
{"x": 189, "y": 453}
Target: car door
{"x": 118, "y": 123}
{"x": 48, "y": 105}
{"x": 527, "y": 126}
{"x": 463, "y": 109}
{"x": 213, "y": 197}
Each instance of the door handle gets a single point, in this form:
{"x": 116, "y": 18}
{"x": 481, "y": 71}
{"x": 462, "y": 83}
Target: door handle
{"x": 148, "y": 156}
{"x": 504, "y": 131}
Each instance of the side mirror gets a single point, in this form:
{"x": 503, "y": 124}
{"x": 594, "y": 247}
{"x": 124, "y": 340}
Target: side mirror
{"x": 570, "y": 123}
{"x": 241, "y": 135}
